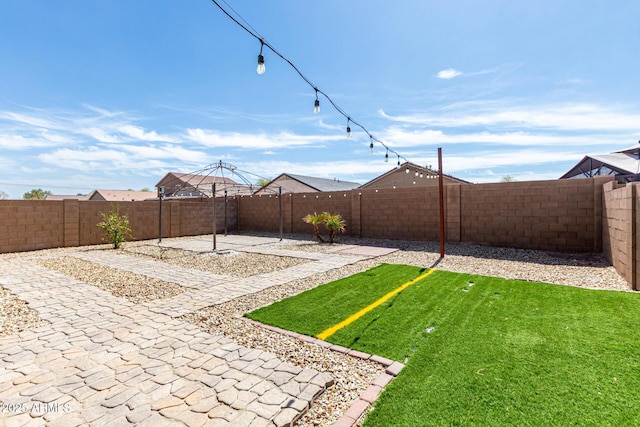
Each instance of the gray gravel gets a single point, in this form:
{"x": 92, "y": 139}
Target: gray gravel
{"x": 135, "y": 287}
{"x": 15, "y": 314}
{"x": 231, "y": 263}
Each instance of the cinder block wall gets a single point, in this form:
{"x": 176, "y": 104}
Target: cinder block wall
{"x": 259, "y": 213}
{"x": 27, "y": 225}
{"x": 407, "y": 213}
{"x": 337, "y": 202}
{"x": 620, "y": 230}
{"x": 559, "y": 215}
{"x": 636, "y": 233}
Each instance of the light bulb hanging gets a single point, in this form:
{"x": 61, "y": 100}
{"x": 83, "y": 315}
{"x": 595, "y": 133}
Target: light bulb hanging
{"x": 398, "y": 166}
{"x": 407, "y": 171}
{"x": 386, "y": 156}
{"x": 261, "y": 68}
{"x": 348, "y": 128}
{"x": 371, "y": 145}
{"x": 316, "y": 104}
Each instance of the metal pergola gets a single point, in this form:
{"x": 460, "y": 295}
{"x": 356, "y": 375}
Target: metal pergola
{"x": 212, "y": 179}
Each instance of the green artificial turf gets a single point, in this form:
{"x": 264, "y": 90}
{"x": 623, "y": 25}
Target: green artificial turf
{"x": 317, "y": 309}
{"x": 499, "y": 352}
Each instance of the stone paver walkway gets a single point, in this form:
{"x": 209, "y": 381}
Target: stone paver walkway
{"x": 106, "y": 361}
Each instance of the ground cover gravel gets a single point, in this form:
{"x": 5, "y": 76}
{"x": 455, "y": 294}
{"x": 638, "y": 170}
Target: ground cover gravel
{"x": 134, "y": 287}
{"x": 352, "y": 375}
{"x": 15, "y": 314}
{"x": 233, "y": 263}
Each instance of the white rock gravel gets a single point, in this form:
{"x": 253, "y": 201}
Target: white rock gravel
{"x": 15, "y": 314}
{"x": 232, "y": 263}
{"x": 135, "y": 287}
{"x": 352, "y": 375}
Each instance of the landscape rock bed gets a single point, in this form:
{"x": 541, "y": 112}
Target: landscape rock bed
{"x": 135, "y": 287}
{"x": 232, "y": 263}
{"x": 15, "y": 314}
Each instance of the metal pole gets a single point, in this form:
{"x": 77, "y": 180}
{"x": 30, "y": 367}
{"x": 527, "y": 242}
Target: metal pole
{"x": 225, "y": 213}
{"x": 213, "y": 197}
{"x": 160, "y": 193}
{"x": 280, "y": 199}
{"x": 441, "y": 196}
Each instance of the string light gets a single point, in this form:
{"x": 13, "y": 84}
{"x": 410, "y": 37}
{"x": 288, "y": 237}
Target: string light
{"x": 316, "y": 105}
{"x": 348, "y": 128}
{"x": 386, "y": 156}
{"x": 398, "y": 166}
{"x": 261, "y": 68}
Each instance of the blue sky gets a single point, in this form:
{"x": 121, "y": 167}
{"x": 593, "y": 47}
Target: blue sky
{"x": 115, "y": 94}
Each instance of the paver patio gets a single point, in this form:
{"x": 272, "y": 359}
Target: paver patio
{"x": 103, "y": 360}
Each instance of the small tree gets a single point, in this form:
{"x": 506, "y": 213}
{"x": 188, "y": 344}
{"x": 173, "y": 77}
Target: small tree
{"x": 263, "y": 181}
{"x": 316, "y": 220}
{"x": 115, "y": 226}
{"x": 334, "y": 223}
{"x": 36, "y": 194}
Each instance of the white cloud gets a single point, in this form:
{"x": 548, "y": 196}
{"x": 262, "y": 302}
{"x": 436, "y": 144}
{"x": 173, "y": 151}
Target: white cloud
{"x": 492, "y": 159}
{"x": 26, "y": 119}
{"x": 448, "y": 73}
{"x": 138, "y": 133}
{"x": 568, "y": 116}
{"x": 19, "y": 142}
{"x": 212, "y": 138}
{"x": 397, "y": 136}
{"x": 165, "y": 152}
{"x": 105, "y": 160}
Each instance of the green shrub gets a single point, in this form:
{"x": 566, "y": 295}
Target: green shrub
{"x": 333, "y": 222}
{"x": 115, "y": 226}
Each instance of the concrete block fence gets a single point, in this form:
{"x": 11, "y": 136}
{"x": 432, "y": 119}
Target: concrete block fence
{"x": 577, "y": 215}
{"x": 621, "y": 230}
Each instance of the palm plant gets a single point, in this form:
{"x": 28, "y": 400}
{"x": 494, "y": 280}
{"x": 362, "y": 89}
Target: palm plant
{"x": 316, "y": 219}
{"x": 334, "y": 223}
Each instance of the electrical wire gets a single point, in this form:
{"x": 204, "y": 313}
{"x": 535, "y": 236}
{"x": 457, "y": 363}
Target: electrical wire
{"x": 249, "y": 29}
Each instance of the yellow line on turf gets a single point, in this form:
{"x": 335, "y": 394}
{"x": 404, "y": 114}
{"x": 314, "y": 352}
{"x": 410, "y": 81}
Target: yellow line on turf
{"x": 332, "y": 330}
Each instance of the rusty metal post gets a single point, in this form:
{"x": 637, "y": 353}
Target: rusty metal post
{"x": 160, "y": 194}
{"x": 441, "y": 197}
{"x": 280, "y": 201}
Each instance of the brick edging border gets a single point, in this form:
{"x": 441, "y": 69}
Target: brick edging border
{"x": 370, "y": 395}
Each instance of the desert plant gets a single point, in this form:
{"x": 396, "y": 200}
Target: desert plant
{"x": 316, "y": 219}
{"x": 115, "y": 226}
{"x": 334, "y": 223}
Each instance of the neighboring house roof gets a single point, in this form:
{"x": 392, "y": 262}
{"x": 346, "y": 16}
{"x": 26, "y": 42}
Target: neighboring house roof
{"x": 192, "y": 185}
{"x": 623, "y": 164}
{"x": 121, "y": 195}
{"x": 66, "y": 197}
{"x": 292, "y": 183}
{"x": 408, "y": 175}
